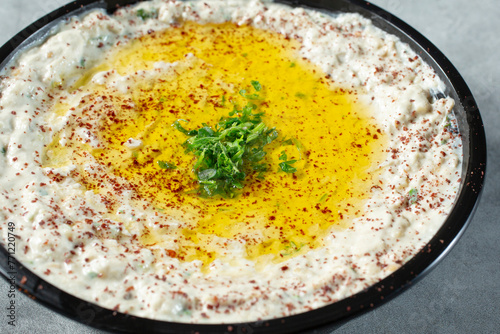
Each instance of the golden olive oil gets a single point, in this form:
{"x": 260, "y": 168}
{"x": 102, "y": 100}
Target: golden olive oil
{"x": 277, "y": 217}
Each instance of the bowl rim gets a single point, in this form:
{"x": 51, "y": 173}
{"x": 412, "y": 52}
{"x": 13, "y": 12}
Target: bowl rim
{"x": 337, "y": 313}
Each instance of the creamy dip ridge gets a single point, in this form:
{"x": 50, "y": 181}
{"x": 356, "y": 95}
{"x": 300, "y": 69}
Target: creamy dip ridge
{"x": 68, "y": 237}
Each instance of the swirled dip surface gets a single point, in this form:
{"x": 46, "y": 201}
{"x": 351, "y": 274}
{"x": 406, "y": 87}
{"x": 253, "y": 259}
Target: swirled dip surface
{"x": 103, "y": 194}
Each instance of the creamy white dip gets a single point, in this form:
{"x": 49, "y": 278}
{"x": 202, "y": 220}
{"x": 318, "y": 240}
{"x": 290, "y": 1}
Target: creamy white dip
{"x": 56, "y": 218}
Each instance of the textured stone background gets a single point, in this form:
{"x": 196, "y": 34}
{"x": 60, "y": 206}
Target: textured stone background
{"x": 462, "y": 295}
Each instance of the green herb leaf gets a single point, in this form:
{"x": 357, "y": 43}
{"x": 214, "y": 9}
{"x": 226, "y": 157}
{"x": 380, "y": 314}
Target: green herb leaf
{"x": 243, "y": 93}
{"x": 283, "y": 156}
{"x": 260, "y": 168}
{"x": 256, "y": 85}
{"x": 291, "y": 249}
{"x": 166, "y": 165}
{"x": 323, "y": 198}
{"x": 299, "y": 147}
{"x": 179, "y": 127}
{"x": 229, "y": 151}
{"x": 412, "y": 196}
{"x": 287, "y": 167}
{"x": 144, "y": 14}
{"x": 448, "y": 122}
{"x": 286, "y": 142}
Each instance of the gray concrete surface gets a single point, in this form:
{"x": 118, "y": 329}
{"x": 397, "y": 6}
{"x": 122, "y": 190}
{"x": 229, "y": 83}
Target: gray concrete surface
{"x": 462, "y": 295}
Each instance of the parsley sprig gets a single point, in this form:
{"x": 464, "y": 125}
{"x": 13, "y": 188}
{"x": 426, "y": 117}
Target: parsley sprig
{"x": 231, "y": 150}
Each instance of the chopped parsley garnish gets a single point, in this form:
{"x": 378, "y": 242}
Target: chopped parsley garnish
{"x": 166, "y": 165}
{"x": 231, "y": 150}
{"x": 324, "y": 198}
{"x": 450, "y": 125}
{"x": 179, "y": 127}
{"x": 256, "y": 85}
{"x": 448, "y": 121}
{"x": 144, "y": 14}
{"x": 4, "y": 150}
{"x": 243, "y": 93}
{"x": 412, "y": 196}
{"x": 291, "y": 249}
{"x": 293, "y": 141}
{"x": 286, "y": 165}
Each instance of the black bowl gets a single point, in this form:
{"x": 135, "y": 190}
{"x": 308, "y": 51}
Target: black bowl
{"x": 474, "y": 165}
